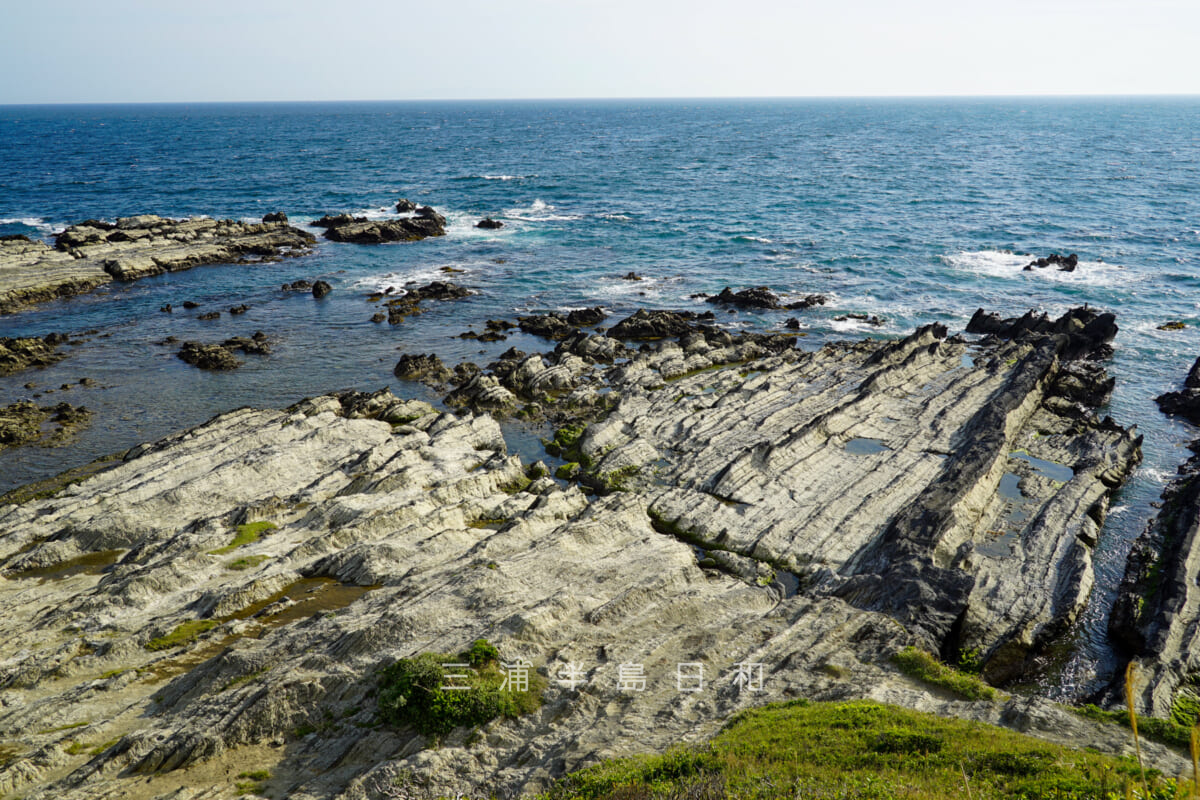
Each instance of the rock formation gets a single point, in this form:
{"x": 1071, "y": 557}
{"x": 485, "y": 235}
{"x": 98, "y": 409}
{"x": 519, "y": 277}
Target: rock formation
{"x": 344, "y": 228}
{"x": 746, "y": 502}
{"x": 93, "y": 253}
{"x": 21, "y": 353}
{"x": 24, "y": 422}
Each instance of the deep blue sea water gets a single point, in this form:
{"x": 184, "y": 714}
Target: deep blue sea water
{"x": 915, "y": 210}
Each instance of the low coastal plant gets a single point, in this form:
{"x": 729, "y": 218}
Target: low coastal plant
{"x": 245, "y": 534}
{"x": 438, "y": 692}
{"x": 926, "y": 668}
{"x": 865, "y": 750}
{"x": 184, "y": 634}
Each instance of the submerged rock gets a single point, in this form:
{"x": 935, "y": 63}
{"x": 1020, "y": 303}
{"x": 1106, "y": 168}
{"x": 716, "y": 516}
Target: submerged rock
{"x": 208, "y": 356}
{"x": 25, "y": 352}
{"x": 25, "y": 422}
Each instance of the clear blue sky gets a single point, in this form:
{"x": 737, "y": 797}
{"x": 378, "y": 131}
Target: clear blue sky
{"x": 54, "y": 51}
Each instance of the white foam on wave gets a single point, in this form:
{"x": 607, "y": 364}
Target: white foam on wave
{"x": 748, "y": 238}
{"x": 38, "y": 223}
{"x": 539, "y": 211}
{"x": 617, "y": 217}
{"x": 397, "y": 279}
{"x": 1011, "y": 266}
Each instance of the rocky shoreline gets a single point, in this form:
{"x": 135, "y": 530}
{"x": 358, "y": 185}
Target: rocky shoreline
{"x": 222, "y": 600}
{"x": 91, "y": 254}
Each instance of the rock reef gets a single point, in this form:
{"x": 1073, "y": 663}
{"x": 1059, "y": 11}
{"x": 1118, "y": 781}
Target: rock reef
{"x": 222, "y": 599}
{"x": 93, "y": 253}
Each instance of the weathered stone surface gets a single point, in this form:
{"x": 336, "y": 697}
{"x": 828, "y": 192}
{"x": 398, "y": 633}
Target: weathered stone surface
{"x": 489, "y": 224}
{"x": 421, "y": 367}
{"x": 409, "y": 303}
{"x": 378, "y": 505}
{"x": 962, "y": 500}
{"x": 320, "y": 289}
{"x": 645, "y": 324}
{"x": 344, "y": 228}
{"x": 90, "y": 254}
{"x": 1186, "y": 402}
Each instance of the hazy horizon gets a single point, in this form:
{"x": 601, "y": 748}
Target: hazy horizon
{"x": 130, "y": 51}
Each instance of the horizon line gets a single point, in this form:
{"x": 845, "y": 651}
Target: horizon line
{"x": 616, "y": 98}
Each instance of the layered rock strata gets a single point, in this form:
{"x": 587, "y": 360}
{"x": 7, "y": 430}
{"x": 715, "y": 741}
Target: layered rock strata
{"x": 94, "y": 253}
{"x": 153, "y": 649}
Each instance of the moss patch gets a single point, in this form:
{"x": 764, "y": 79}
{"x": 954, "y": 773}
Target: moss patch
{"x": 184, "y": 634}
{"x": 249, "y": 562}
{"x": 246, "y": 534}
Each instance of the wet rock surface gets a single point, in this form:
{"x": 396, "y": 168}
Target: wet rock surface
{"x": 17, "y": 354}
{"x": 25, "y": 422}
{"x": 425, "y": 222}
{"x": 220, "y": 357}
{"x": 925, "y": 491}
{"x": 93, "y": 253}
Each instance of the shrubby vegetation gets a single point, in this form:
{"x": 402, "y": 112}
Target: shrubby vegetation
{"x": 413, "y": 690}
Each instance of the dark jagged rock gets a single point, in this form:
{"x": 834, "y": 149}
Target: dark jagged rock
{"x": 258, "y": 344}
{"x": 1186, "y": 402}
{"x": 870, "y": 319}
{"x": 645, "y": 324}
{"x": 1173, "y": 325}
{"x": 489, "y": 224}
{"x": 24, "y": 352}
{"x": 808, "y": 301}
{"x": 1064, "y": 263}
{"x": 336, "y": 220}
{"x": 404, "y": 205}
{"x": 409, "y": 303}
{"x": 1084, "y": 332}
{"x": 189, "y": 304}
{"x": 91, "y": 254}
{"x": 278, "y": 216}
{"x": 209, "y": 315}
{"x": 166, "y": 309}
{"x": 757, "y": 297}
{"x": 548, "y": 326}
{"x": 297, "y": 286}
{"x": 631, "y": 276}
{"x": 320, "y": 289}
{"x": 586, "y": 317}
{"x": 424, "y": 368}
{"x": 431, "y": 214}
{"x": 792, "y": 324}
{"x": 239, "y": 309}
{"x": 390, "y": 230}
{"x": 379, "y": 316}
{"x": 208, "y": 356}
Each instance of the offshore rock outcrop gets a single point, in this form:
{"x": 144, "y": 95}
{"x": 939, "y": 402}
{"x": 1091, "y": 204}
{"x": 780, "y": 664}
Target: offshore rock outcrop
{"x": 425, "y": 222}
{"x": 397, "y": 529}
{"x": 21, "y": 353}
{"x": 93, "y": 253}
{"x": 25, "y": 422}
{"x": 1185, "y": 402}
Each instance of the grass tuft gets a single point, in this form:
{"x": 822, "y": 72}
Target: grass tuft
{"x": 184, "y": 634}
{"x": 924, "y": 667}
{"x": 246, "y": 534}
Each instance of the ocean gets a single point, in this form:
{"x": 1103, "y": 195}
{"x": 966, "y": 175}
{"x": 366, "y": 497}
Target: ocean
{"x": 915, "y": 210}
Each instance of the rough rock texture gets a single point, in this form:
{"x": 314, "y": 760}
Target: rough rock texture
{"x": 1186, "y": 402}
{"x": 409, "y": 303}
{"x": 25, "y": 422}
{"x": 220, "y": 356}
{"x": 22, "y": 353}
{"x": 962, "y": 497}
{"x": 1158, "y": 604}
{"x": 93, "y": 253}
{"x": 344, "y": 228}
{"x": 402, "y": 530}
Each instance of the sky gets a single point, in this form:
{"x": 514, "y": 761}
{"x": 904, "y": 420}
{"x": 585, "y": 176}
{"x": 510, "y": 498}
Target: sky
{"x": 70, "y": 51}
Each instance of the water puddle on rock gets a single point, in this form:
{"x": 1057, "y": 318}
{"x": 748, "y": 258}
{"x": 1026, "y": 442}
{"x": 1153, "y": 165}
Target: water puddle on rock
{"x": 1050, "y": 469}
{"x": 86, "y": 564}
{"x": 859, "y": 446}
{"x": 309, "y": 596}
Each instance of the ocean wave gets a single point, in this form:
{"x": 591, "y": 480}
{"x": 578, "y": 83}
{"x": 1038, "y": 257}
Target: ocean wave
{"x": 539, "y": 211}
{"x": 38, "y": 223}
{"x": 495, "y": 177}
{"x": 617, "y": 217}
{"x": 748, "y": 238}
{"x": 1011, "y": 266}
{"x": 398, "y": 279}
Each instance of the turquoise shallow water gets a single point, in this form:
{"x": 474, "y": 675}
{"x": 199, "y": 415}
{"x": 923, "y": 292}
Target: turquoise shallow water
{"x": 915, "y": 210}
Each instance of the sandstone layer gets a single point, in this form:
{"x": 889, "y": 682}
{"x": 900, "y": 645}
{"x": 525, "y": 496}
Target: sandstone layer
{"x": 741, "y": 503}
{"x": 94, "y": 253}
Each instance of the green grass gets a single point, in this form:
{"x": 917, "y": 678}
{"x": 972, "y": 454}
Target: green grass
{"x": 1160, "y": 730}
{"x": 924, "y": 667}
{"x": 249, "y": 562}
{"x": 860, "y": 751}
{"x": 413, "y": 691}
{"x": 252, "y": 782}
{"x": 246, "y": 534}
{"x": 184, "y": 634}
